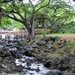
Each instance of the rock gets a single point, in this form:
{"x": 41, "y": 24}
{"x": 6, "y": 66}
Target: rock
{"x": 27, "y": 53}
{"x": 29, "y": 62}
{"x": 16, "y": 54}
{"x": 73, "y": 70}
{"x": 8, "y": 65}
{"x": 19, "y": 68}
{"x": 41, "y": 43}
{"x": 49, "y": 44}
{"x": 0, "y": 59}
{"x": 4, "y": 53}
{"x": 4, "y": 66}
{"x": 63, "y": 65}
{"x": 62, "y": 41}
{"x": 34, "y": 45}
{"x": 67, "y": 73}
{"x": 29, "y": 48}
{"x": 1, "y": 46}
{"x": 53, "y": 39}
{"x": 48, "y": 64}
{"x": 54, "y": 72}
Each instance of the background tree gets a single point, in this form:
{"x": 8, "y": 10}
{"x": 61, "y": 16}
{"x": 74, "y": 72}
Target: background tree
{"x": 51, "y": 14}
{"x": 24, "y": 12}
{"x": 56, "y": 15}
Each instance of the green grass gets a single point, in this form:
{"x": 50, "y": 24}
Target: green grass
{"x": 72, "y": 43}
{"x": 59, "y": 35}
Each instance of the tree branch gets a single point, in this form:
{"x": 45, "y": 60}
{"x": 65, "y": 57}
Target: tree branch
{"x": 39, "y": 3}
{"x": 5, "y": 1}
{"x": 14, "y": 17}
{"x": 16, "y": 10}
{"x": 31, "y": 3}
{"x": 42, "y": 6}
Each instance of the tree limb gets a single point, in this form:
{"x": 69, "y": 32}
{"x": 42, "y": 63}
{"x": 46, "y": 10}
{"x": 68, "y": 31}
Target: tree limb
{"x": 14, "y": 17}
{"x": 16, "y": 10}
{"x": 31, "y": 3}
{"x": 42, "y": 6}
{"x": 39, "y": 3}
{"x": 5, "y": 1}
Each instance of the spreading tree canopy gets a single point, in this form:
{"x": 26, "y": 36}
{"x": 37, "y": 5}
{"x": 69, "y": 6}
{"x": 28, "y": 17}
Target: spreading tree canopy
{"x": 56, "y": 12}
{"x": 22, "y": 12}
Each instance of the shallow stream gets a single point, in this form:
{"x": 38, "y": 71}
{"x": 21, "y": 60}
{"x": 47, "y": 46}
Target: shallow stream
{"x": 30, "y": 65}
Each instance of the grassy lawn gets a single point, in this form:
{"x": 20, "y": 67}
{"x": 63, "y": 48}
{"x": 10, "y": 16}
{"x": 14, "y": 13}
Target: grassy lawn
{"x": 59, "y": 35}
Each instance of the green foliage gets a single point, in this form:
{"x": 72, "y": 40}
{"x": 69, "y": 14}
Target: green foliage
{"x": 72, "y": 43}
{"x": 57, "y": 16}
{"x": 68, "y": 28}
{"x": 10, "y": 24}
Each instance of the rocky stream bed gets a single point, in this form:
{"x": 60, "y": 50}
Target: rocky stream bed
{"x": 20, "y": 57}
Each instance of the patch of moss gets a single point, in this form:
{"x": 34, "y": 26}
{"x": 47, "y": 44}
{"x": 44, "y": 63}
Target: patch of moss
{"x": 64, "y": 49}
{"x": 61, "y": 51}
{"x": 71, "y": 43}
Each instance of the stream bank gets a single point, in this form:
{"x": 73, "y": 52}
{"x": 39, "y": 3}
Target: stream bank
{"x": 41, "y": 56}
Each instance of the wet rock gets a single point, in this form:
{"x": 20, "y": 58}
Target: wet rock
{"x": 19, "y": 68}
{"x": 63, "y": 65}
{"x": 54, "y": 72}
{"x": 8, "y": 66}
{"x": 4, "y": 53}
{"x": 4, "y": 66}
{"x": 48, "y": 64}
{"x": 73, "y": 70}
{"x": 16, "y": 54}
{"x": 27, "y": 53}
{"x": 67, "y": 73}
{"x": 1, "y": 46}
{"x": 29, "y": 62}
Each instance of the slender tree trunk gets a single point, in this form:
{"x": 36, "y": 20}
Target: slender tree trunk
{"x": 31, "y": 34}
{"x": 30, "y": 29}
{"x": 30, "y": 26}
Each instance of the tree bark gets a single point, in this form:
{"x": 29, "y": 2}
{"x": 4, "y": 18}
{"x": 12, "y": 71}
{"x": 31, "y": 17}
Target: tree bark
{"x": 31, "y": 34}
{"x": 30, "y": 29}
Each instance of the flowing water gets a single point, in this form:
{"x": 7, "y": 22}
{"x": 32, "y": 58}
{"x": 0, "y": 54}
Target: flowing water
{"x": 30, "y": 65}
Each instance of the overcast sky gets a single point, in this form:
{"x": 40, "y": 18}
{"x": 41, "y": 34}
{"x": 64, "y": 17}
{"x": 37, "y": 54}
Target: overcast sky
{"x": 33, "y": 1}
{"x": 71, "y": 2}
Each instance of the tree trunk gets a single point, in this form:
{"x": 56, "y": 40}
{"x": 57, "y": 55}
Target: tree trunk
{"x": 31, "y": 34}
{"x": 30, "y": 29}
{"x": 30, "y": 26}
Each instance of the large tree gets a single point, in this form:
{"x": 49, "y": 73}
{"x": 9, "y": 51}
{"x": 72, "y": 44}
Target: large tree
{"x": 23, "y": 12}
{"x": 62, "y": 13}
{"x": 57, "y": 14}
